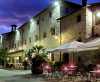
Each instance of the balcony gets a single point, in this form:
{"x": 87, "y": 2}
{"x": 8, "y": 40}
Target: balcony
{"x": 17, "y": 49}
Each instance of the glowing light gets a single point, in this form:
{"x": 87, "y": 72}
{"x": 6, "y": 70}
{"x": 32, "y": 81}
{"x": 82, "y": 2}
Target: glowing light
{"x": 7, "y": 59}
{"x": 26, "y": 58}
{"x": 98, "y": 71}
{"x": 56, "y": 37}
{"x": 72, "y": 66}
{"x": 17, "y": 58}
{"x": 17, "y": 37}
{"x": 32, "y": 26}
{"x": 65, "y": 69}
{"x": 98, "y": 14}
{"x": 56, "y": 3}
{"x": 47, "y": 67}
{"x": 49, "y": 56}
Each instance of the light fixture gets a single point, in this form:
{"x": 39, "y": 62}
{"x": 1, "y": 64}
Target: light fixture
{"x": 56, "y": 3}
{"x": 56, "y": 37}
{"x": 26, "y": 58}
{"x": 98, "y": 14}
{"x": 17, "y": 58}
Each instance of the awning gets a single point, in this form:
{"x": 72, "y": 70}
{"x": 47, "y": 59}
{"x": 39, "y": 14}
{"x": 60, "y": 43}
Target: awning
{"x": 71, "y": 46}
{"x": 93, "y": 43}
{"x": 74, "y": 46}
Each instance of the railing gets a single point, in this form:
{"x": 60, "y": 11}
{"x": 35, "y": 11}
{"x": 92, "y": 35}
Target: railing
{"x": 17, "y": 49}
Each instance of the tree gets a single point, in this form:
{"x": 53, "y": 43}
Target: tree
{"x": 3, "y": 56}
{"x": 41, "y": 56}
{"x": 38, "y": 50}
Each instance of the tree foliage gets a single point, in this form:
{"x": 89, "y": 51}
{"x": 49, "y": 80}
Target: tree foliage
{"x": 38, "y": 50}
{"x": 3, "y": 55}
{"x": 40, "y": 57}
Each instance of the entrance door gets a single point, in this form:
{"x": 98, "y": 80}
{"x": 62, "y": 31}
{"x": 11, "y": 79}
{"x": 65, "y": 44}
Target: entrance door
{"x": 66, "y": 58}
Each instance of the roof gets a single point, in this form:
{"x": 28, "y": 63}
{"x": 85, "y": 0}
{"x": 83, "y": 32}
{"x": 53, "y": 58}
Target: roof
{"x": 69, "y": 14}
{"x": 65, "y": 2}
{"x": 75, "y": 5}
{"x": 93, "y": 6}
{"x": 7, "y": 33}
{"x": 93, "y": 43}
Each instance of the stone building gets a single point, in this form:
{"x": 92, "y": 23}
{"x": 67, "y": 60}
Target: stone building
{"x": 57, "y": 24}
{"x": 83, "y": 26}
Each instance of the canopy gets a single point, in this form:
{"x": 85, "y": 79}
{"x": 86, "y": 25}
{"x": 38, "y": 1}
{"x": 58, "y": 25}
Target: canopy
{"x": 73, "y": 46}
{"x": 93, "y": 43}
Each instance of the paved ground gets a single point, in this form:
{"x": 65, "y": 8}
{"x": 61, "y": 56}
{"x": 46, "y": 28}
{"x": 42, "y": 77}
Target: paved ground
{"x": 18, "y": 76}
{"x": 24, "y": 76}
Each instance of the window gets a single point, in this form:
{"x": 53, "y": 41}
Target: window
{"x": 50, "y": 14}
{"x": 52, "y": 31}
{"x": 14, "y": 45}
{"x": 79, "y": 18}
{"x": 20, "y": 59}
{"x": 30, "y": 40}
{"x": 44, "y": 35}
{"x": 38, "y": 22}
{"x": 42, "y": 19}
{"x": 18, "y": 44}
{"x": 36, "y": 37}
{"x": 24, "y": 41}
{"x": 52, "y": 57}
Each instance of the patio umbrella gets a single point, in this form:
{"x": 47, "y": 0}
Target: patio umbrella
{"x": 93, "y": 43}
{"x": 71, "y": 46}
{"x": 76, "y": 46}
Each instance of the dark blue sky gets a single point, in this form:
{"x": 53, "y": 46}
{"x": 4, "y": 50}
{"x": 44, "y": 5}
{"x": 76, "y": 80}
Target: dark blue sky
{"x": 19, "y": 11}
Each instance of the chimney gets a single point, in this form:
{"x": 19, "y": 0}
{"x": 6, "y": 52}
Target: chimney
{"x": 13, "y": 27}
{"x": 84, "y": 2}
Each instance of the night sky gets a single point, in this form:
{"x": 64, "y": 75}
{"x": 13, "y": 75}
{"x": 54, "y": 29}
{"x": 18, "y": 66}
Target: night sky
{"x": 19, "y": 11}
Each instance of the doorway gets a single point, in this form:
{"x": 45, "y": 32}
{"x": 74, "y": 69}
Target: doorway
{"x": 66, "y": 58}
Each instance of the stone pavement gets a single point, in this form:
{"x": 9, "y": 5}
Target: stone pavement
{"x": 12, "y": 74}
{"x": 25, "y": 76}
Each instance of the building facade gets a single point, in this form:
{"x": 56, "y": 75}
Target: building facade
{"x": 82, "y": 26}
{"x": 54, "y": 26}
